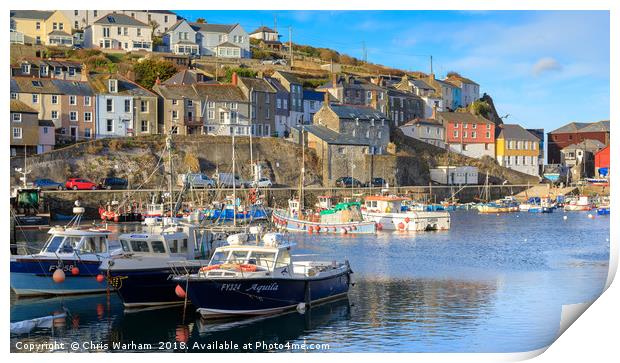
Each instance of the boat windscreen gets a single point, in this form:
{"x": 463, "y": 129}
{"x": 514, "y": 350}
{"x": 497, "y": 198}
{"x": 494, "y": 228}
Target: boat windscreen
{"x": 54, "y": 243}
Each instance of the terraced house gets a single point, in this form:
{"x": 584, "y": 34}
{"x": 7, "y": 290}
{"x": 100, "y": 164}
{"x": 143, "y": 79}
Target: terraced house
{"x": 118, "y": 31}
{"x": 468, "y": 134}
{"x": 24, "y": 129}
{"x": 40, "y": 94}
{"x": 77, "y": 110}
{"x": 296, "y": 95}
{"x": 262, "y": 98}
{"x": 41, "y": 27}
{"x": 221, "y": 40}
{"x": 517, "y": 149}
{"x": 354, "y": 91}
{"x": 48, "y": 68}
{"x": 123, "y": 107}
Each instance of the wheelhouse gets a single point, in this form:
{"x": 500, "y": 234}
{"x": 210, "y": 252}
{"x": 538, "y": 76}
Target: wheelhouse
{"x": 77, "y": 241}
{"x": 383, "y": 204}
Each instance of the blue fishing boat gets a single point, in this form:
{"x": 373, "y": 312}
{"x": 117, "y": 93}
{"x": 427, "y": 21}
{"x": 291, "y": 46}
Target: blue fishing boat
{"x": 259, "y": 278}
{"x": 602, "y": 210}
{"x": 67, "y": 264}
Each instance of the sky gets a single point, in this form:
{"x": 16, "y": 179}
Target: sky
{"x": 542, "y": 68}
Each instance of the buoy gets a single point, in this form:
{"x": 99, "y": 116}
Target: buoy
{"x": 75, "y": 271}
{"x": 407, "y": 220}
{"x": 343, "y": 231}
{"x": 379, "y": 226}
{"x": 100, "y": 278}
{"x": 318, "y": 228}
{"x": 565, "y": 217}
{"x": 301, "y": 308}
{"x": 590, "y": 216}
{"x": 310, "y": 230}
{"x": 58, "y": 276}
{"x": 401, "y": 225}
{"x": 179, "y": 291}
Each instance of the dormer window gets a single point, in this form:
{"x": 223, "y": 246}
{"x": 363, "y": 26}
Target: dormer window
{"x": 113, "y": 85}
{"x": 25, "y": 68}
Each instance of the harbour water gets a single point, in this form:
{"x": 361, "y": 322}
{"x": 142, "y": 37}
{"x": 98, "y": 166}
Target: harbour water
{"x": 492, "y": 283}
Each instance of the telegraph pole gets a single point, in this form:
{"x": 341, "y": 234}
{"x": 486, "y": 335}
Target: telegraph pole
{"x": 431, "y": 64}
{"x": 290, "y": 44}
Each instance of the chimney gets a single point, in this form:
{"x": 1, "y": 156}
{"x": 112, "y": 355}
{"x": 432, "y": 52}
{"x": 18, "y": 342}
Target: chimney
{"x": 434, "y": 116}
{"x": 84, "y": 74}
{"x": 234, "y": 79}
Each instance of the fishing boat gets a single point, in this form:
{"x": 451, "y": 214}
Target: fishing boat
{"x": 578, "y": 205}
{"x": 141, "y": 273}
{"x": 386, "y": 212}
{"x": 67, "y": 264}
{"x": 260, "y": 277}
{"x": 537, "y": 205}
{"x": 345, "y": 217}
{"x": 28, "y": 208}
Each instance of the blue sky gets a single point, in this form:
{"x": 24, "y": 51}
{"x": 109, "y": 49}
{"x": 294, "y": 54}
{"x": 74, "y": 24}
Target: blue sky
{"x": 543, "y": 68}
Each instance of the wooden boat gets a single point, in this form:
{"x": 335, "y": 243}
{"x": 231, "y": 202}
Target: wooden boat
{"x": 386, "y": 211}
{"x": 342, "y": 218}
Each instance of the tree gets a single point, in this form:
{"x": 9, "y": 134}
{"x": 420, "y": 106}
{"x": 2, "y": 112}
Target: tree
{"x": 154, "y": 25}
{"x": 480, "y": 108}
{"x": 453, "y": 74}
{"x": 149, "y": 70}
{"x": 201, "y": 20}
{"x": 241, "y": 72}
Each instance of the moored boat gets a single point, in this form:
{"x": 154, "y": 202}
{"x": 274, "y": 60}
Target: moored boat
{"x": 260, "y": 278}
{"x": 578, "y": 205}
{"x": 387, "y": 213}
{"x": 342, "y": 218}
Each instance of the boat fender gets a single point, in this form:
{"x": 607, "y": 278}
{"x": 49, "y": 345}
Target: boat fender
{"x": 58, "y": 276}
{"x": 248, "y": 268}
{"x": 301, "y": 308}
{"x": 100, "y": 278}
{"x": 75, "y": 271}
{"x": 401, "y": 225}
{"x": 407, "y": 220}
{"x": 179, "y": 292}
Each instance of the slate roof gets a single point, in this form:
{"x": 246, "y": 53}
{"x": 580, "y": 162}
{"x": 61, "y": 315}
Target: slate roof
{"x": 360, "y": 112}
{"x": 257, "y": 84}
{"x": 263, "y": 29}
{"x": 19, "y": 106}
{"x": 60, "y": 33}
{"x": 423, "y": 121}
{"x": 31, "y": 14}
{"x": 587, "y": 144}
{"x": 313, "y": 95}
{"x": 600, "y": 126}
{"x": 290, "y": 77}
{"x": 331, "y": 136}
{"x": 464, "y": 117}
{"x": 73, "y": 87}
{"x": 47, "y": 123}
{"x": 418, "y": 83}
{"x": 119, "y": 19}
{"x": 354, "y": 83}
{"x": 213, "y": 28}
{"x": 228, "y": 44}
{"x": 176, "y": 92}
{"x": 516, "y": 132}
{"x": 461, "y": 79}
{"x": 99, "y": 84}
{"x": 27, "y": 85}
{"x": 53, "y": 62}
{"x": 186, "y": 76}
{"x": 275, "y": 83}
{"x": 220, "y": 92}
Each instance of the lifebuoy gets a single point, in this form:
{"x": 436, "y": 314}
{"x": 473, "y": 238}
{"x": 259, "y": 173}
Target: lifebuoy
{"x": 209, "y": 268}
{"x": 248, "y": 268}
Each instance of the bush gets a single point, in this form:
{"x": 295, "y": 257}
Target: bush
{"x": 192, "y": 163}
{"x": 94, "y": 148}
{"x": 149, "y": 70}
{"x": 115, "y": 144}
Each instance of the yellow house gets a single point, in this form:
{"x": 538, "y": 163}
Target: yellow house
{"x": 42, "y": 27}
{"x": 517, "y": 149}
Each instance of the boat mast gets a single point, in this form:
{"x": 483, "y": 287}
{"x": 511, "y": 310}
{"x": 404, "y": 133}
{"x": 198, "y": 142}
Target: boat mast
{"x": 234, "y": 180}
{"x": 303, "y": 169}
{"x": 169, "y": 147}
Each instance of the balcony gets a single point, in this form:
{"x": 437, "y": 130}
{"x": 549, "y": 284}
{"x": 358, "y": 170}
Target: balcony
{"x": 192, "y": 121}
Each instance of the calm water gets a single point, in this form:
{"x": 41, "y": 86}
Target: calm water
{"x": 490, "y": 284}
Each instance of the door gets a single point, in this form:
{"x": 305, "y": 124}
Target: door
{"x": 74, "y": 133}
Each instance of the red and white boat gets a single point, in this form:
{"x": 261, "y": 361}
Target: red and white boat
{"x": 579, "y": 205}
{"x": 386, "y": 212}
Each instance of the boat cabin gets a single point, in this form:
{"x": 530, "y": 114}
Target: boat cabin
{"x": 293, "y": 207}
{"x": 171, "y": 240}
{"x": 72, "y": 241}
{"x": 325, "y": 202}
{"x": 269, "y": 255}
{"x": 383, "y": 204}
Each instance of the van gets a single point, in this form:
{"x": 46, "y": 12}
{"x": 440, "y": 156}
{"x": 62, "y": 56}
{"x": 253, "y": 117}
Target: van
{"x": 225, "y": 180}
{"x": 197, "y": 180}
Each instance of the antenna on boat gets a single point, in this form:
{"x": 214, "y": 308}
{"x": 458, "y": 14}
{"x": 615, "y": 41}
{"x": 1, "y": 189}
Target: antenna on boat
{"x": 25, "y": 171}
{"x": 303, "y": 169}
{"x": 169, "y": 148}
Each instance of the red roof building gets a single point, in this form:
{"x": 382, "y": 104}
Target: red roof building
{"x": 601, "y": 161}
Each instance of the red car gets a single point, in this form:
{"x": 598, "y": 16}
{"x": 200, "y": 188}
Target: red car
{"x": 80, "y": 184}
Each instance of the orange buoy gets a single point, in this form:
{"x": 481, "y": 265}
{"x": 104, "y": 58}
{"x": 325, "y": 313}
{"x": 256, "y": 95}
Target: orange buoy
{"x": 182, "y": 334}
{"x": 379, "y": 226}
{"x": 407, "y": 220}
{"x": 58, "y": 276}
{"x": 75, "y": 271}
{"x": 100, "y": 278}
{"x": 343, "y": 231}
{"x": 317, "y": 228}
{"x": 179, "y": 291}
{"x": 401, "y": 225}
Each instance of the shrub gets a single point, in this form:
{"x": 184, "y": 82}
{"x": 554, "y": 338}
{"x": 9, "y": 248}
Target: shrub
{"x": 94, "y": 148}
{"x": 191, "y": 162}
{"x": 115, "y": 144}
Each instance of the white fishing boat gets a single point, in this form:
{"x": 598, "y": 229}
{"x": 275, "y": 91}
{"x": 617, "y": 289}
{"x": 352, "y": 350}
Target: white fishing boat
{"x": 386, "y": 212}
{"x": 578, "y": 205}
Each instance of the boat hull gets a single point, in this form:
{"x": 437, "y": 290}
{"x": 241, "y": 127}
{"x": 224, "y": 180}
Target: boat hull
{"x": 227, "y": 297}
{"x": 297, "y": 225}
{"x": 32, "y": 277}
{"x": 411, "y": 222}
{"x": 577, "y": 208}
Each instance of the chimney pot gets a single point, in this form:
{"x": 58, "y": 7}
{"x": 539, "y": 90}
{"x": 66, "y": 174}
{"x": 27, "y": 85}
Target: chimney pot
{"x": 235, "y": 78}
{"x": 326, "y": 98}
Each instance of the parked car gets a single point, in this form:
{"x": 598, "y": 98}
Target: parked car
{"x": 347, "y": 181}
{"x": 261, "y": 183}
{"x": 197, "y": 180}
{"x": 48, "y": 184}
{"x": 376, "y": 182}
{"x": 80, "y": 184}
{"x": 226, "y": 180}
{"x": 113, "y": 183}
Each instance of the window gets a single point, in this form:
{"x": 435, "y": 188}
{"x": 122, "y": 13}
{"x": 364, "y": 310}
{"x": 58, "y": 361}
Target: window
{"x": 127, "y": 105}
{"x": 211, "y": 114}
{"x": 190, "y": 103}
{"x": 86, "y": 100}
{"x": 456, "y": 133}
{"x": 73, "y": 116}
{"x": 144, "y": 106}
{"x": 17, "y": 132}
{"x": 38, "y": 26}
{"x": 488, "y": 126}
{"x": 139, "y": 31}
{"x": 118, "y": 30}
{"x": 88, "y": 117}
{"x": 144, "y": 126}
{"x": 109, "y": 125}
{"x": 464, "y": 134}
{"x": 473, "y": 134}
{"x": 488, "y": 135}
{"x": 473, "y": 126}
{"x": 158, "y": 247}
{"x": 87, "y": 132}
{"x": 76, "y": 25}
{"x": 94, "y": 12}
{"x": 45, "y": 130}
{"x": 71, "y": 71}
{"x": 35, "y": 98}
{"x": 73, "y": 100}
{"x": 112, "y": 85}
{"x": 464, "y": 125}
{"x": 17, "y": 117}
{"x": 25, "y": 68}
{"x": 139, "y": 246}
{"x": 13, "y": 95}
{"x": 54, "y": 100}
{"x": 109, "y": 105}
{"x": 211, "y": 104}
{"x": 175, "y": 114}
{"x": 125, "y": 31}
{"x": 54, "y": 115}
{"x": 174, "y": 102}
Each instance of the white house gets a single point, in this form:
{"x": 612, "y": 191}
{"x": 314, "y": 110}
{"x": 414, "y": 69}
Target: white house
{"x": 222, "y": 40}
{"x": 265, "y": 33}
{"x": 118, "y": 31}
{"x": 427, "y": 130}
{"x": 182, "y": 38}
{"x": 458, "y": 175}
{"x": 161, "y": 20}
